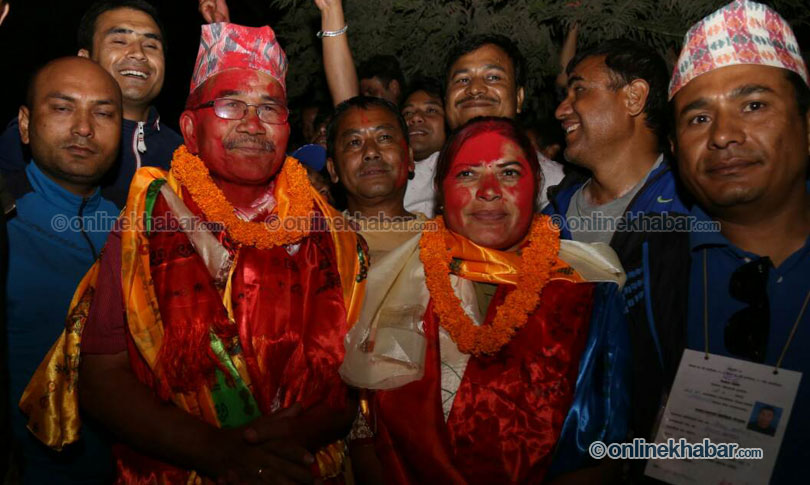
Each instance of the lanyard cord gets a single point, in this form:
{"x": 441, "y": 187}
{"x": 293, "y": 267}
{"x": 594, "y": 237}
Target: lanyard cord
{"x": 792, "y": 332}
{"x": 705, "y": 306}
{"x": 706, "y": 318}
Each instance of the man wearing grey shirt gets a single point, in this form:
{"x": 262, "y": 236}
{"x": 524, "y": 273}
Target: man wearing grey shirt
{"x": 589, "y": 222}
{"x": 615, "y": 121}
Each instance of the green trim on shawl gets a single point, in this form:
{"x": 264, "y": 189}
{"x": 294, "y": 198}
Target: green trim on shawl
{"x": 151, "y": 197}
{"x": 233, "y": 401}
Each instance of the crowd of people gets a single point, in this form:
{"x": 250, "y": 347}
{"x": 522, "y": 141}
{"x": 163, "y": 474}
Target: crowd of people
{"x": 406, "y": 281}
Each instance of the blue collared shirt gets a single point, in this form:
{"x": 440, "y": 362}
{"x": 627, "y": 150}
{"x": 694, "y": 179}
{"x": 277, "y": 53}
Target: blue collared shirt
{"x": 788, "y": 286}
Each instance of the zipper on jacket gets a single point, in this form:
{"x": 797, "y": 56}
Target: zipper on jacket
{"x": 81, "y": 228}
{"x": 138, "y": 141}
{"x": 141, "y": 139}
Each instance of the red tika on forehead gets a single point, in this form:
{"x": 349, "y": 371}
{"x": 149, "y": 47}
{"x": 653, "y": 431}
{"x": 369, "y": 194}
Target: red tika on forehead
{"x": 227, "y": 46}
{"x": 487, "y": 191}
{"x": 484, "y": 147}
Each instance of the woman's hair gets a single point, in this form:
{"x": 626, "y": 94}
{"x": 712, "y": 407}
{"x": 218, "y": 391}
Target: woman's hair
{"x": 506, "y": 127}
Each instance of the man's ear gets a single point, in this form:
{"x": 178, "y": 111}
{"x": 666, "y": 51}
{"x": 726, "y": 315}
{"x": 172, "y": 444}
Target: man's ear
{"x": 187, "y": 128}
{"x": 83, "y": 53}
{"x": 330, "y": 167}
{"x": 411, "y": 163}
{"x": 24, "y": 118}
{"x": 551, "y": 151}
{"x": 395, "y": 89}
{"x": 635, "y": 96}
{"x": 672, "y": 145}
{"x": 520, "y": 97}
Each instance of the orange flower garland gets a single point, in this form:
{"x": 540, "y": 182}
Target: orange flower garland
{"x": 192, "y": 173}
{"x": 534, "y": 272}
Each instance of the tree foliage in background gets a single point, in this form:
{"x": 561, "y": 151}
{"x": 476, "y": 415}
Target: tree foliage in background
{"x": 420, "y": 32}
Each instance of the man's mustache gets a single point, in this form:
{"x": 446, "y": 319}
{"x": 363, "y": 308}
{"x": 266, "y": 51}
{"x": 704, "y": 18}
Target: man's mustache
{"x": 732, "y": 153}
{"x": 80, "y": 142}
{"x": 250, "y": 142}
{"x": 132, "y": 64}
{"x": 475, "y": 98}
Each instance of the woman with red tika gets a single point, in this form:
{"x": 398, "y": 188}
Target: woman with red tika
{"x": 496, "y": 353}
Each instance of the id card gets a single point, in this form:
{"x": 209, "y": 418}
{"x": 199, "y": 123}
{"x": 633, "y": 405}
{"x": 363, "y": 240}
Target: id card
{"x": 730, "y": 401}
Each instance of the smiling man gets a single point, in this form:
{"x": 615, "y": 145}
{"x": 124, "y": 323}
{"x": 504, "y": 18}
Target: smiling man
{"x": 615, "y": 124}
{"x": 71, "y": 121}
{"x": 485, "y": 75}
{"x": 742, "y": 136}
{"x": 615, "y": 121}
{"x": 129, "y": 44}
{"x": 202, "y": 347}
{"x": 423, "y": 110}
{"x": 370, "y": 156}
{"x": 127, "y": 39}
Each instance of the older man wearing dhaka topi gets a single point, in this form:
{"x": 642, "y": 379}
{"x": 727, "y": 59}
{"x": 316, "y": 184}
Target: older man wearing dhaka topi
{"x": 201, "y": 346}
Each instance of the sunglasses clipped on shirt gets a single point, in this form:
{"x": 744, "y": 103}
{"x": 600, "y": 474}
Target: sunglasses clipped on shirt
{"x": 234, "y": 109}
{"x": 746, "y": 333}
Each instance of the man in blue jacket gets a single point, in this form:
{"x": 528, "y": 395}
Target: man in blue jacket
{"x": 126, "y": 38}
{"x": 72, "y": 122}
{"x": 5, "y": 203}
{"x": 615, "y": 122}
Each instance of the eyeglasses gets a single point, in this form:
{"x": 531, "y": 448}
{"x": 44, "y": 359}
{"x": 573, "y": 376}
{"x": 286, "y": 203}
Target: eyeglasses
{"x": 746, "y": 333}
{"x": 233, "y": 109}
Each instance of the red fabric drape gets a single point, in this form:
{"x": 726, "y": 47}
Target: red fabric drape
{"x": 290, "y": 322}
{"x": 509, "y": 409}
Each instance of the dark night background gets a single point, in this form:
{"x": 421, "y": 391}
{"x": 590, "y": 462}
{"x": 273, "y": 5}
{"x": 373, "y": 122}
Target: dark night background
{"x": 37, "y": 31}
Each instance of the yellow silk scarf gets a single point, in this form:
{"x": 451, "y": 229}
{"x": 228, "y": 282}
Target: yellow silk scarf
{"x": 487, "y": 265}
{"x": 51, "y": 399}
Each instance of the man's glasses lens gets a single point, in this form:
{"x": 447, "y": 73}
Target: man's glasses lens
{"x": 746, "y": 334}
{"x": 233, "y": 109}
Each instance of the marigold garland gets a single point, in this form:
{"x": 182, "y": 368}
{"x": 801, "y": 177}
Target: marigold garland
{"x": 192, "y": 173}
{"x": 537, "y": 261}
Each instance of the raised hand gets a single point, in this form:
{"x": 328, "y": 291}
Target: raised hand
{"x": 337, "y": 57}
{"x": 328, "y": 4}
{"x": 214, "y": 11}
{"x": 331, "y": 14}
